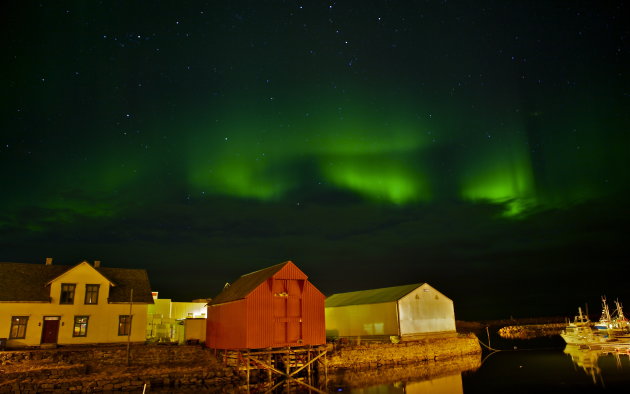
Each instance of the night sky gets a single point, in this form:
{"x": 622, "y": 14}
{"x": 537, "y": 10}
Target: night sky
{"x": 479, "y": 146}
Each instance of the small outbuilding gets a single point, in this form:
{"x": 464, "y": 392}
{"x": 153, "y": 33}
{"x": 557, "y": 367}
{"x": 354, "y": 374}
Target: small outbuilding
{"x": 403, "y": 311}
{"x": 271, "y": 308}
{"x": 194, "y": 330}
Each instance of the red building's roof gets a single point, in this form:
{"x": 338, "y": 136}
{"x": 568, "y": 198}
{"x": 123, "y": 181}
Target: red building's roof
{"x": 246, "y": 284}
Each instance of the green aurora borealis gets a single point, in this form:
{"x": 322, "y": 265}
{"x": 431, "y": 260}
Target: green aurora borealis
{"x": 395, "y": 158}
{"x": 471, "y": 146}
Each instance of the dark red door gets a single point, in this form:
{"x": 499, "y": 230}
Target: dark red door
{"x": 294, "y": 311}
{"x": 287, "y": 311}
{"x": 50, "y": 330}
{"x": 280, "y": 296}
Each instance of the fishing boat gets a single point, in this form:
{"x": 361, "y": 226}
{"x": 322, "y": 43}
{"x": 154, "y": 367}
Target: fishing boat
{"x": 621, "y": 321}
{"x": 613, "y": 336}
{"x": 605, "y": 320}
{"x": 614, "y": 324}
{"x": 579, "y": 332}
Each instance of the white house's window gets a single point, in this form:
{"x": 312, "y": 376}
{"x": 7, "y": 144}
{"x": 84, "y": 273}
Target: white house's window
{"x": 18, "y": 327}
{"x": 124, "y": 324}
{"x": 80, "y": 326}
{"x": 67, "y": 293}
{"x": 91, "y": 294}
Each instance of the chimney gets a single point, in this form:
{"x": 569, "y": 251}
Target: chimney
{"x": 97, "y": 263}
{"x": 48, "y": 260}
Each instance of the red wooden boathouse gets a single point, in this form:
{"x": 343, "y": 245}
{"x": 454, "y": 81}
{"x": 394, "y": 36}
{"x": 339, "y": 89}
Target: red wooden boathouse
{"x": 271, "y": 308}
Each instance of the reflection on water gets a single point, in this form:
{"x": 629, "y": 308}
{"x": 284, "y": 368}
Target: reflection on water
{"x": 572, "y": 370}
{"x": 587, "y": 360}
{"x": 550, "y": 370}
{"x": 443, "y": 385}
{"x": 592, "y": 361}
{"x": 428, "y": 377}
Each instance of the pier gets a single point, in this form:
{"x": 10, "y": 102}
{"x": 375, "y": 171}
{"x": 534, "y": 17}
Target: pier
{"x": 267, "y": 369}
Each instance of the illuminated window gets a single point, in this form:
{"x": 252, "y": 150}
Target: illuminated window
{"x": 67, "y": 293}
{"x": 18, "y": 327}
{"x": 124, "y": 324}
{"x": 91, "y": 294}
{"x": 80, "y": 326}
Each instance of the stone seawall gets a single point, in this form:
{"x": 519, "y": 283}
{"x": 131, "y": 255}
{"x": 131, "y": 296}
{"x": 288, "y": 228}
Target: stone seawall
{"x": 107, "y": 355}
{"x": 530, "y": 331}
{"x": 96, "y": 369}
{"x": 377, "y": 354}
{"x": 138, "y": 381}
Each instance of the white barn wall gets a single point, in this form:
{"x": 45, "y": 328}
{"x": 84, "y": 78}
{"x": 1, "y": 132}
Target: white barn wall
{"x": 426, "y": 310}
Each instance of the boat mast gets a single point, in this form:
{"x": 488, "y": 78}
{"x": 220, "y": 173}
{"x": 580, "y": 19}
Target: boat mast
{"x": 606, "y": 318}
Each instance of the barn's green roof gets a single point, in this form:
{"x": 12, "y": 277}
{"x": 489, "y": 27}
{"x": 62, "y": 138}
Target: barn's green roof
{"x": 373, "y": 296}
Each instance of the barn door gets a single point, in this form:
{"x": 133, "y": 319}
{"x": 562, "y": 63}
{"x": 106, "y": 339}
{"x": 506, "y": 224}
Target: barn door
{"x": 287, "y": 311}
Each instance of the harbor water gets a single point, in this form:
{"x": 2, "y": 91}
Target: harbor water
{"x": 523, "y": 366}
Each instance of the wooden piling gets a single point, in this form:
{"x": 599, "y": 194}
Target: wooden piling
{"x": 247, "y": 369}
{"x": 298, "y": 360}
